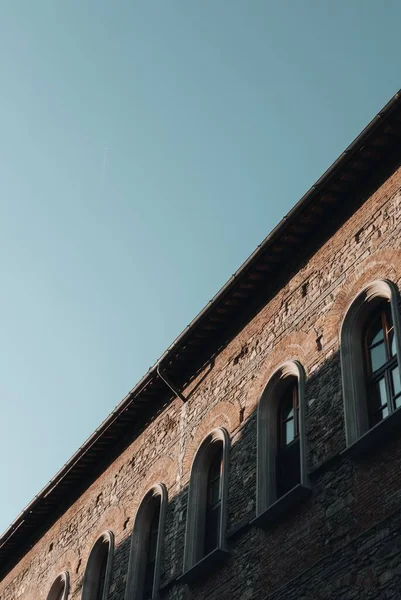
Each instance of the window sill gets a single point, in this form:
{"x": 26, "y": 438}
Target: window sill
{"x": 205, "y": 565}
{"x": 374, "y": 436}
{"x": 275, "y": 512}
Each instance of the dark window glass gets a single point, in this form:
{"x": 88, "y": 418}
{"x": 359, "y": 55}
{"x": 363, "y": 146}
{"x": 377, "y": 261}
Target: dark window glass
{"x": 383, "y": 381}
{"x": 395, "y": 377}
{"x": 102, "y": 571}
{"x": 60, "y": 593}
{"x": 289, "y": 415}
{"x": 151, "y": 551}
{"x": 213, "y": 503}
{"x": 288, "y": 466}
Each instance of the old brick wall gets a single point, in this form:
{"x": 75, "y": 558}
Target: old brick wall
{"x": 344, "y": 541}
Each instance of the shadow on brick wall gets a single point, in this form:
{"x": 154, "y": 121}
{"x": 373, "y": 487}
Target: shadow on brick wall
{"x": 343, "y": 542}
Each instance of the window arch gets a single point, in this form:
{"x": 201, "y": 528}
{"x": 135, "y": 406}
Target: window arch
{"x": 147, "y": 545}
{"x": 98, "y": 569}
{"x": 207, "y": 501}
{"x": 281, "y": 455}
{"x": 60, "y": 587}
{"x": 369, "y": 347}
{"x": 288, "y": 472}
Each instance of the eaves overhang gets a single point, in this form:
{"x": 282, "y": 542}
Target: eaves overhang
{"x": 376, "y": 150}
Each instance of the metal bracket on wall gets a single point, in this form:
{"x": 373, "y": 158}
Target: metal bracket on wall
{"x": 170, "y": 385}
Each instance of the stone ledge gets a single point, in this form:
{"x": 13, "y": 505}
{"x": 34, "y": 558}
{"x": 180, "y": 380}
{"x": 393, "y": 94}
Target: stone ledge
{"x": 279, "y": 509}
{"x": 168, "y": 584}
{"x": 325, "y": 465}
{"x": 374, "y": 437}
{"x": 205, "y": 565}
{"x": 239, "y": 528}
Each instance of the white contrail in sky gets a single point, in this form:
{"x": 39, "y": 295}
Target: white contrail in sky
{"x": 104, "y": 164}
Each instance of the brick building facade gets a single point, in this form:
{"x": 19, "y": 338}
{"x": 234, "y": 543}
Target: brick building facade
{"x": 300, "y": 320}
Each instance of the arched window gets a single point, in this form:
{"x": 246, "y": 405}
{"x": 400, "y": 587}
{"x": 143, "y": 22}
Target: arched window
{"x": 370, "y": 336}
{"x": 98, "y": 569}
{"x": 281, "y": 460}
{"x": 288, "y": 468}
{"x": 151, "y": 552}
{"x": 207, "y": 505}
{"x": 60, "y": 587}
{"x": 146, "y": 546}
{"x": 381, "y": 365}
{"x": 213, "y": 501}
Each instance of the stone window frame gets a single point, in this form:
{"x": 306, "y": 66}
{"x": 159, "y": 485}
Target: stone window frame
{"x": 269, "y": 508}
{"x": 140, "y": 530}
{"x": 195, "y": 563}
{"x": 61, "y": 583}
{"x": 359, "y": 437}
{"x": 93, "y": 565}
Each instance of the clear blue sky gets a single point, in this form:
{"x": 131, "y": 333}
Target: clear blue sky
{"x": 217, "y": 116}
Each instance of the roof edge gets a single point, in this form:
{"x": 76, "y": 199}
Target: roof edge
{"x": 355, "y": 146}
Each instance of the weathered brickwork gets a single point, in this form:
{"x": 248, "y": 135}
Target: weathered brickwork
{"x": 345, "y": 541}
